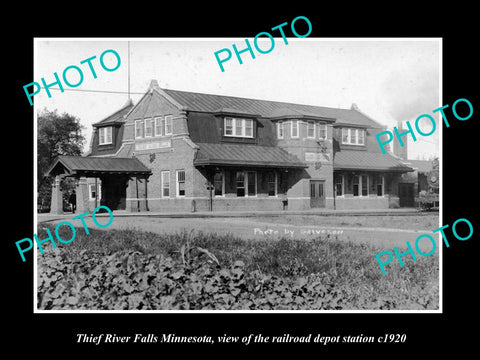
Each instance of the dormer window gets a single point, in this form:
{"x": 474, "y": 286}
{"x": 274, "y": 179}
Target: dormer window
{"x": 311, "y": 129}
{"x": 280, "y": 129}
{"x": 248, "y": 128}
{"x": 236, "y": 127}
{"x": 353, "y": 136}
{"x": 322, "y": 129}
{"x": 105, "y": 135}
{"x": 294, "y": 129}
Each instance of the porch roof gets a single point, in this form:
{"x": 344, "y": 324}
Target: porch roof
{"x": 245, "y": 155}
{"x": 368, "y": 161}
{"x": 93, "y": 166}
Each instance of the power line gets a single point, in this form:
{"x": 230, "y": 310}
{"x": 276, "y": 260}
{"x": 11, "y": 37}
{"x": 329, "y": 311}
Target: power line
{"x": 98, "y": 91}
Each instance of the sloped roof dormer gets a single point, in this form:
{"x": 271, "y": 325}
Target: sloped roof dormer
{"x": 118, "y": 117}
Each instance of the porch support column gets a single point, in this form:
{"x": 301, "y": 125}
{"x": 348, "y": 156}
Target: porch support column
{"x": 81, "y": 191}
{"x": 56, "y": 206}
{"x": 96, "y": 192}
{"x": 146, "y": 195}
{"x": 138, "y": 199}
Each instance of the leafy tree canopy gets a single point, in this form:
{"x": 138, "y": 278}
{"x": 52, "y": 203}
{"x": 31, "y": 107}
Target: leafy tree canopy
{"x": 58, "y": 134}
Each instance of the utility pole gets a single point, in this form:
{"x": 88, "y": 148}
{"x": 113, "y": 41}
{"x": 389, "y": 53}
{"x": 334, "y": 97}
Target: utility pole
{"x": 128, "y": 57}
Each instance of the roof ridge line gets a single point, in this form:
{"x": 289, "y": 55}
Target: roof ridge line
{"x": 128, "y": 103}
{"x": 255, "y": 99}
{"x": 355, "y": 107}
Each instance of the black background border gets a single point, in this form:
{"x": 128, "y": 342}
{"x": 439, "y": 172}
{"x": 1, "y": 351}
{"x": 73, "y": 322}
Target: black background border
{"x": 427, "y": 333}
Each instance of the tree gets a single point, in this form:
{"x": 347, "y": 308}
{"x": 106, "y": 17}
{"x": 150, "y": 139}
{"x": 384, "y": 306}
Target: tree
{"x": 57, "y": 135}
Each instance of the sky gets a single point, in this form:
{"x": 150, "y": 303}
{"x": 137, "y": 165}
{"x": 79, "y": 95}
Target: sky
{"x": 390, "y": 80}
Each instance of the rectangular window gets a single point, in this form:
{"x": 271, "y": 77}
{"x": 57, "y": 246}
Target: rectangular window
{"x": 218, "y": 183}
{"x": 338, "y": 185}
{"x": 353, "y": 136}
{"x": 168, "y": 125}
{"x": 379, "y": 185}
{"x": 356, "y": 181}
{"x": 361, "y": 137}
{"x": 348, "y": 183}
{"x": 252, "y": 183}
{"x": 280, "y": 129}
{"x": 162, "y": 124}
{"x": 272, "y": 183}
{"x": 311, "y": 129}
{"x": 180, "y": 182}
{"x": 345, "y": 138}
{"x": 105, "y": 135}
{"x": 228, "y": 127}
{"x": 372, "y": 184}
{"x": 322, "y": 131}
{"x": 148, "y": 127}
{"x": 294, "y": 129}
{"x": 92, "y": 191}
{"x": 248, "y": 128}
{"x": 159, "y": 125}
{"x": 139, "y": 129}
{"x": 240, "y": 180}
{"x": 364, "y": 181}
{"x": 108, "y": 135}
{"x": 238, "y": 127}
{"x": 165, "y": 183}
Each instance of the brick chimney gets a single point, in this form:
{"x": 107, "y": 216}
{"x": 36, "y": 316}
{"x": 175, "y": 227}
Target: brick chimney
{"x": 398, "y": 150}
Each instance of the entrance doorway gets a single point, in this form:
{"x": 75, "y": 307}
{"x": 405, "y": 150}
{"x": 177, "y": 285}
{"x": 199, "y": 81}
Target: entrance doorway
{"x": 114, "y": 192}
{"x": 406, "y": 194}
{"x": 317, "y": 194}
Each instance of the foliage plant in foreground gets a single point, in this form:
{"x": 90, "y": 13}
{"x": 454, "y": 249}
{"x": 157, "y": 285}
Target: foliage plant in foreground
{"x": 130, "y": 269}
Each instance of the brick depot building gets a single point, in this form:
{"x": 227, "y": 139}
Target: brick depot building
{"x": 184, "y": 151}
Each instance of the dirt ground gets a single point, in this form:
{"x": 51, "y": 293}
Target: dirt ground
{"x": 380, "y": 231}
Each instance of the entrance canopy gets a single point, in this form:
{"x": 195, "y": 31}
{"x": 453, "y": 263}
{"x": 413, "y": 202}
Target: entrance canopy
{"x": 89, "y": 166}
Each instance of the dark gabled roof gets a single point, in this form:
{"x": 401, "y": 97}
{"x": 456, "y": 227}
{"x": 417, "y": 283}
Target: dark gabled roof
{"x": 269, "y": 109}
{"x": 207, "y": 128}
{"x": 90, "y": 165}
{"x": 245, "y": 155}
{"x": 117, "y": 116}
{"x": 234, "y": 112}
{"x": 287, "y": 113}
{"x": 368, "y": 161}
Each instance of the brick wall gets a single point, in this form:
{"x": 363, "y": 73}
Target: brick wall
{"x": 369, "y": 202}
{"x": 177, "y": 158}
{"x": 303, "y": 147}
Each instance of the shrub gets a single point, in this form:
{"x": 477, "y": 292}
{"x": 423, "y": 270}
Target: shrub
{"x": 125, "y": 269}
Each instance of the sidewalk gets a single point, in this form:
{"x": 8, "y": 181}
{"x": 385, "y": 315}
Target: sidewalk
{"x": 248, "y": 213}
